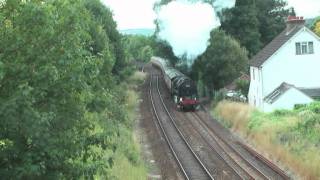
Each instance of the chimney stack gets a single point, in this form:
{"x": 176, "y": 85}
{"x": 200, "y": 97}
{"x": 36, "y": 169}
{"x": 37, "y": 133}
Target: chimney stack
{"x": 293, "y": 22}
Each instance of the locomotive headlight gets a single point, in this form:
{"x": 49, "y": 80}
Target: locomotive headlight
{"x": 195, "y": 98}
{"x": 180, "y": 99}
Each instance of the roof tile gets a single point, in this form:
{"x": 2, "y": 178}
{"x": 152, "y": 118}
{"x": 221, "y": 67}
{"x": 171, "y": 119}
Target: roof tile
{"x": 273, "y": 46}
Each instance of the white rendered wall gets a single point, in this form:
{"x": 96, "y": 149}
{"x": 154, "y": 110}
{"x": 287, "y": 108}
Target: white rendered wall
{"x": 255, "y": 90}
{"x": 286, "y": 66}
{"x": 288, "y": 100}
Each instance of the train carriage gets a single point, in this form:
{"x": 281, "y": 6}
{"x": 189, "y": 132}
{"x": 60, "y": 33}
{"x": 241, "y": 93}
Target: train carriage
{"x": 183, "y": 90}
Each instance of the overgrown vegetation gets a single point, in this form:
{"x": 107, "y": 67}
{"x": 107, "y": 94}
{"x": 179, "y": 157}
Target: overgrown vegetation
{"x": 216, "y": 68}
{"x": 263, "y": 20}
{"x": 243, "y": 86}
{"x": 127, "y": 159}
{"x": 316, "y": 26}
{"x": 292, "y": 137}
{"x": 63, "y": 112}
{"x": 138, "y": 47}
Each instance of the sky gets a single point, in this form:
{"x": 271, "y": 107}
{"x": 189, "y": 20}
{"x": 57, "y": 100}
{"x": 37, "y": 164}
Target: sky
{"x": 189, "y": 30}
{"x": 133, "y": 14}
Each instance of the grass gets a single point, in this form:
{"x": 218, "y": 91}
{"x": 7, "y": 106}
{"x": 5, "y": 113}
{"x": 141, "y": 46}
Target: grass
{"x": 137, "y": 78}
{"x": 128, "y": 163}
{"x": 125, "y": 170}
{"x": 291, "y": 137}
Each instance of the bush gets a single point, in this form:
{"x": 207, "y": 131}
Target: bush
{"x": 292, "y": 137}
{"x": 314, "y": 107}
{"x": 243, "y": 86}
{"x": 281, "y": 112}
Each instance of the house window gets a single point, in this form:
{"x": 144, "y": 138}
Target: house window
{"x": 298, "y": 48}
{"x": 310, "y": 45}
{"x": 304, "y": 48}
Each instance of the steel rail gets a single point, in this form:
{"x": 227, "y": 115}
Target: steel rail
{"x": 221, "y": 156}
{"x": 180, "y": 134}
{"x": 219, "y": 139}
{"x": 265, "y": 160}
{"x": 165, "y": 134}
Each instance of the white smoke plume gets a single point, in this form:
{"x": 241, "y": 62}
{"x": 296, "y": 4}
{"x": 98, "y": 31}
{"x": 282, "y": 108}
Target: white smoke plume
{"x": 186, "y": 26}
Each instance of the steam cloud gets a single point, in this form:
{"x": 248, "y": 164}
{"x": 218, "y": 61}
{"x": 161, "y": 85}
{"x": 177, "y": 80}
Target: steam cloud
{"x": 186, "y": 26}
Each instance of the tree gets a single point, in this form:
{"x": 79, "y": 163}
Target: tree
{"x": 316, "y": 27}
{"x": 272, "y": 16}
{"x": 243, "y": 86}
{"x": 221, "y": 63}
{"x": 262, "y": 21}
{"x": 146, "y": 53}
{"x": 163, "y": 49}
{"x": 60, "y": 108}
{"x": 138, "y": 47}
{"x": 103, "y": 15}
{"x": 243, "y": 26}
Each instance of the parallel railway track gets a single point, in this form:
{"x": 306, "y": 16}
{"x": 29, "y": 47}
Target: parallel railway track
{"x": 226, "y": 152}
{"x": 238, "y": 159}
{"x": 188, "y": 161}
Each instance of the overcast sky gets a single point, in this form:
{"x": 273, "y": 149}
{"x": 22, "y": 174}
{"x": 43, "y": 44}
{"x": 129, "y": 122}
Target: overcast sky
{"x": 131, "y": 14}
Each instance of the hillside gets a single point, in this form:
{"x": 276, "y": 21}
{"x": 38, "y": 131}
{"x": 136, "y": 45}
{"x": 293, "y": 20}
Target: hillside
{"x": 310, "y": 22}
{"x": 144, "y": 32}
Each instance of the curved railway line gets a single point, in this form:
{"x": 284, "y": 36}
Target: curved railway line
{"x": 233, "y": 158}
{"x": 248, "y": 165}
{"x": 188, "y": 161}
{"x": 268, "y": 171}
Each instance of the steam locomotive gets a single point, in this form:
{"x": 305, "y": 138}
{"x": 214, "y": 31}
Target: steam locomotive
{"x": 182, "y": 89}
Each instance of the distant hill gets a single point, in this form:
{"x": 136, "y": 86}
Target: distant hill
{"x": 144, "y": 32}
{"x": 311, "y": 21}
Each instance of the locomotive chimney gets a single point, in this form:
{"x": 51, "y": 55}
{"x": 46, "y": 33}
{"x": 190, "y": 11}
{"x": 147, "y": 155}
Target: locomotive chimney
{"x": 294, "y": 22}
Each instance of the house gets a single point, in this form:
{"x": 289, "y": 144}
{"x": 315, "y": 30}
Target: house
{"x": 286, "y": 72}
{"x": 233, "y": 85}
{"x": 234, "y": 92}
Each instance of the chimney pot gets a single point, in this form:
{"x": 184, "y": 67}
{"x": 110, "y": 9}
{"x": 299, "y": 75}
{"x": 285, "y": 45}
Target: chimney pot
{"x": 293, "y": 22}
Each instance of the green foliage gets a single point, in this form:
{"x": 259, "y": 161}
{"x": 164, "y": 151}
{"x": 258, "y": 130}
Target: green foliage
{"x": 243, "y": 86}
{"x": 163, "y": 49}
{"x": 60, "y": 108}
{"x": 219, "y": 95}
{"x": 313, "y": 107}
{"x": 103, "y": 16}
{"x": 316, "y": 26}
{"x": 272, "y": 16}
{"x": 138, "y": 47}
{"x": 263, "y": 20}
{"x": 243, "y": 26}
{"x": 293, "y": 136}
{"x": 305, "y": 129}
{"x": 146, "y": 53}
{"x": 217, "y": 67}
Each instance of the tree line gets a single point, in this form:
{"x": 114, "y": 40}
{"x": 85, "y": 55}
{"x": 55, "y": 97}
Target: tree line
{"x": 245, "y": 29}
{"x": 62, "y": 107}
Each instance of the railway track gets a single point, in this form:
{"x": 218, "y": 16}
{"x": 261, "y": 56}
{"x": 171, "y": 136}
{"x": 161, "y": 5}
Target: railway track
{"x": 190, "y": 164}
{"x": 225, "y": 152}
{"x": 251, "y": 169}
{"x": 193, "y": 165}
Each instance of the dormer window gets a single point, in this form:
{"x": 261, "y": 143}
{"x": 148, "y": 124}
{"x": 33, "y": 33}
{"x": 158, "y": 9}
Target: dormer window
{"x": 304, "y": 48}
